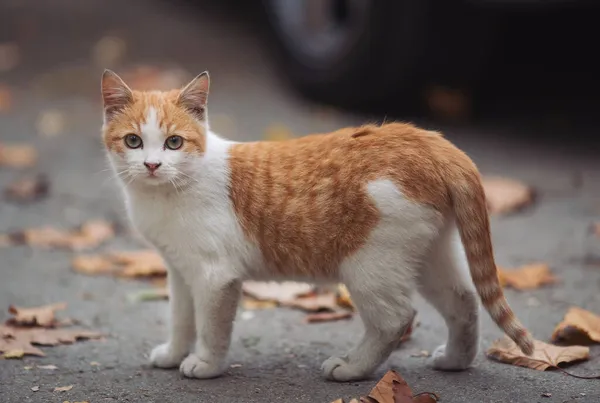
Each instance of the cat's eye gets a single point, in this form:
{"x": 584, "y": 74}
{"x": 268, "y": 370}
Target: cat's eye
{"x": 174, "y": 142}
{"x": 133, "y": 141}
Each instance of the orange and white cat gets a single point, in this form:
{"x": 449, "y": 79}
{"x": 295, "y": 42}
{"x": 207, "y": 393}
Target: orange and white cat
{"x": 384, "y": 209}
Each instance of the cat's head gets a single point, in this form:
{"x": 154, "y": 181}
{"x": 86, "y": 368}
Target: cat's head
{"x": 154, "y": 138}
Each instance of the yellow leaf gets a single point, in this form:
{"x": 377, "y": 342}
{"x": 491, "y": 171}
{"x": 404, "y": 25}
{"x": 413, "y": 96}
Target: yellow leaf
{"x": 544, "y": 355}
{"x": 14, "y": 354}
{"x": 578, "y": 325}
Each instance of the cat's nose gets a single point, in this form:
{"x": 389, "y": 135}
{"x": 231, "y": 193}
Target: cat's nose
{"x": 152, "y": 166}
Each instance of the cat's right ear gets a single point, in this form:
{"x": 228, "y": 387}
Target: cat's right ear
{"x": 116, "y": 95}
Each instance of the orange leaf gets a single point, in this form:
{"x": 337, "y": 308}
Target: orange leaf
{"x": 327, "y": 316}
{"x": 505, "y": 195}
{"x": 544, "y": 355}
{"x": 39, "y": 316}
{"x": 580, "y": 325}
{"x": 527, "y": 277}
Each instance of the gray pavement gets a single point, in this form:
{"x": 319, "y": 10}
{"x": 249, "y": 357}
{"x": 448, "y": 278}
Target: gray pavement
{"x": 279, "y": 356}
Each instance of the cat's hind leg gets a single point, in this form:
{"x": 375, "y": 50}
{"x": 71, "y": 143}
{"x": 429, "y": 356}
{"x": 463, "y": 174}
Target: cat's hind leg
{"x": 446, "y": 283}
{"x": 385, "y": 308}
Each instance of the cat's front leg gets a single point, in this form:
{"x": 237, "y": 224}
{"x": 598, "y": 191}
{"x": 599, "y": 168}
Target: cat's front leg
{"x": 215, "y": 305}
{"x": 181, "y": 327}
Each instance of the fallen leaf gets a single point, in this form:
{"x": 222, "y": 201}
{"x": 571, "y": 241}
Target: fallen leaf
{"x": 327, "y": 316}
{"x": 505, "y": 195}
{"x": 16, "y": 353}
{"x": 544, "y": 355}
{"x": 89, "y": 235}
{"x": 422, "y": 353}
{"x": 151, "y": 294}
{"x": 95, "y": 364}
{"x": 17, "y": 155}
{"x": 9, "y": 56}
{"x": 35, "y": 388}
{"x": 27, "y": 367}
{"x": 313, "y": 303}
{"x": 51, "y": 123}
{"x": 276, "y": 291}
{"x": 130, "y": 264}
{"x": 38, "y": 316}
{"x": 578, "y": 325}
{"x": 24, "y": 338}
{"x": 50, "y": 367}
{"x": 92, "y": 264}
{"x": 63, "y": 388}
{"x": 343, "y": 297}
{"x": 527, "y": 277}
{"x": 5, "y": 98}
{"x": 28, "y": 189}
{"x": 253, "y": 304}
{"x": 108, "y": 51}
{"x": 278, "y": 133}
{"x": 392, "y": 388}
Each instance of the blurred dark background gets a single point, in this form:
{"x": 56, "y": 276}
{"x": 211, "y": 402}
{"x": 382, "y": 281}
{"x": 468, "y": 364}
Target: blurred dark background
{"x": 529, "y": 64}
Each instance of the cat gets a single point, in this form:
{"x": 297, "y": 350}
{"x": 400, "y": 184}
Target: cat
{"x": 385, "y": 209}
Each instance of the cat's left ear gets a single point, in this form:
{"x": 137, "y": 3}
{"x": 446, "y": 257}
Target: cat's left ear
{"x": 194, "y": 96}
{"x": 116, "y": 95}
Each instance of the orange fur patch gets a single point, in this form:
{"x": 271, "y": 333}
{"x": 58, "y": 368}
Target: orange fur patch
{"x": 171, "y": 117}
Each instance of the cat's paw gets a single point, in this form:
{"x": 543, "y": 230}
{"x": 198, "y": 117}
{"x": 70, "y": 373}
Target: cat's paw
{"x": 338, "y": 369}
{"x": 163, "y": 356}
{"x": 194, "y": 367}
{"x": 449, "y": 362}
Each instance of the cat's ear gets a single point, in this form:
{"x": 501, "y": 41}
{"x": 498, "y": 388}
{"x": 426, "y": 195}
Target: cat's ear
{"x": 194, "y": 96}
{"x": 116, "y": 95}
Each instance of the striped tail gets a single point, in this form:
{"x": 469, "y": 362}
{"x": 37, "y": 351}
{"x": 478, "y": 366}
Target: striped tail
{"x": 468, "y": 199}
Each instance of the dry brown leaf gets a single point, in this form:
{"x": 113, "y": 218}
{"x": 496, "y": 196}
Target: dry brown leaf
{"x": 319, "y": 317}
{"x": 527, "y": 277}
{"x": 392, "y": 388}
{"x": 28, "y": 189}
{"x": 24, "y": 338}
{"x": 314, "y": 302}
{"x": 276, "y": 291}
{"x": 130, "y": 264}
{"x": 51, "y": 123}
{"x": 63, "y": 388}
{"x": 17, "y": 155}
{"x": 38, "y": 316}
{"x": 90, "y": 235}
{"x": 544, "y": 356}
{"x": 578, "y": 326}
{"x": 343, "y": 297}
{"x": 148, "y": 78}
{"x": 505, "y": 195}
{"x": 278, "y": 133}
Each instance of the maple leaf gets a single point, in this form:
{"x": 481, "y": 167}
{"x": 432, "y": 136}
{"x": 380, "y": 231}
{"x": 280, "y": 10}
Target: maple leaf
{"x": 527, "y": 277}
{"x": 578, "y": 325}
{"x": 28, "y": 189}
{"x": 392, "y": 388}
{"x": 17, "y": 155}
{"x": 38, "y": 316}
{"x": 89, "y": 235}
{"x": 24, "y": 338}
{"x": 544, "y": 355}
{"x": 505, "y": 195}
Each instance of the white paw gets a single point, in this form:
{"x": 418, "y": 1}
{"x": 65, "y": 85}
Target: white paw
{"x": 194, "y": 367}
{"x": 337, "y": 369}
{"x": 443, "y": 362}
{"x": 163, "y": 356}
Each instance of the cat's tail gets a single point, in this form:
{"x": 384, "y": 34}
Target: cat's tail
{"x": 469, "y": 205}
